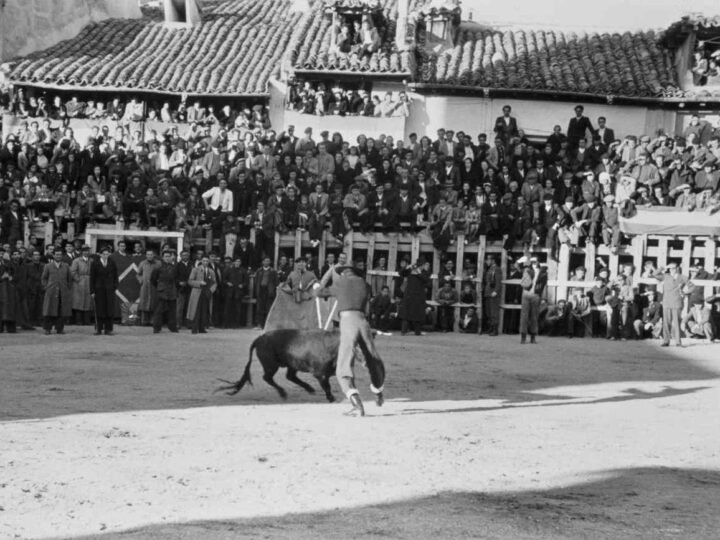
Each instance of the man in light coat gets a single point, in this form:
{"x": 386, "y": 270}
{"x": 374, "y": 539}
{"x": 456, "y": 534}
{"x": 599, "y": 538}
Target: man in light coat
{"x": 202, "y": 283}
{"x": 81, "y": 299}
{"x": 57, "y": 304}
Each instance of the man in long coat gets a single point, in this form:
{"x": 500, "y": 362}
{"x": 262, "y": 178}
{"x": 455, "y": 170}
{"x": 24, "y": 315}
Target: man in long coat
{"x": 8, "y": 296}
{"x": 411, "y": 310}
{"x": 57, "y": 303}
{"x": 201, "y": 280}
{"x": 34, "y": 290}
{"x": 146, "y": 302}
{"x": 81, "y": 299}
{"x": 103, "y": 285}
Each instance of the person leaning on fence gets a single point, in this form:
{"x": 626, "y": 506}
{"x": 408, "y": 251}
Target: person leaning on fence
{"x": 675, "y": 286}
{"x": 533, "y": 285}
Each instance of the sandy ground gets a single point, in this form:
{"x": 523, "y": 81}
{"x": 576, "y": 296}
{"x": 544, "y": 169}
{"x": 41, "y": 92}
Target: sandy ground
{"x": 122, "y": 437}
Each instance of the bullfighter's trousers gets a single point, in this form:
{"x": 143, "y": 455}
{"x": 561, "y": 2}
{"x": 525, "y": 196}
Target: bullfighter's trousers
{"x": 529, "y": 312}
{"x": 355, "y": 330}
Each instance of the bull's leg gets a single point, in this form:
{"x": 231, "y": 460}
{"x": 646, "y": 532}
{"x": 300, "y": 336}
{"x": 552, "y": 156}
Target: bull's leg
{"x": 292, "y": 377}
{"x": 268, "y": 378}
{"x": 324, "y": 381}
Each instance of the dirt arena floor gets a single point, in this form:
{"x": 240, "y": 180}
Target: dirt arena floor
{"x": 122, "y": 437}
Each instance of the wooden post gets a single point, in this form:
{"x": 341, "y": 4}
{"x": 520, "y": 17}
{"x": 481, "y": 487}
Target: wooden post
{"x": 504, "y": 274}
{"x": 392, "y": 263}
{"x": 119, "y": 227}
{"x": 459, "y": 260}
{"x": 590, "y": 255}
{"x": 371, "y": 256}
{"x": 710, "y": 251}
{"x": 480, "y": 276}
{"x": 277, "y": 248}
{"x": 435, "y": 272}
{"x": 298, "y": 243}
{"x": 48, "y": 232}
{"x": 348, "y": 243}
{"x": 687, "y": 255}
{"x": 638, "y": 250}
{"x": 322, "y": 249}
{"x": 70, "y": 236}
{"x": 662, "y": 252}
{"x": 26, "y": 233}
{"x": 414, "y": 248}
{"x": 563, "y": 271}
{"x": 251, "y": 293}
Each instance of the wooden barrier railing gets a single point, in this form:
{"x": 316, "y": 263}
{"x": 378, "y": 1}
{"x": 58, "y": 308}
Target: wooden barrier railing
{"x": 395, "y": 246}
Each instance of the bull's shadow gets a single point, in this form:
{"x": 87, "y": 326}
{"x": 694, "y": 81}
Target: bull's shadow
{"x": 652, "y": 502}
{"x": 136, "y": 370}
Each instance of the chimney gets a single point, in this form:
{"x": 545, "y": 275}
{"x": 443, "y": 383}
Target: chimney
{"x": 402, "y": 24}
{"x": 184, "y": 12}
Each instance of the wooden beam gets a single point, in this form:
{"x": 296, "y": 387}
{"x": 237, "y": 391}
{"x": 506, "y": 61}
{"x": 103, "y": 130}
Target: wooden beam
{"x": 369, "y": 260}
{"x": 590, "y": 262}
{"x": 48, "y": 232}
{"x": 504, "y": 274}
{"x": 297, "y": 248}
{"x": 710, "y": 251}
{"x": 392, "y": 265}
{"x": 480, "y": 276}
{"x": 459, "y": 260}
{"x": 563, "y": 271}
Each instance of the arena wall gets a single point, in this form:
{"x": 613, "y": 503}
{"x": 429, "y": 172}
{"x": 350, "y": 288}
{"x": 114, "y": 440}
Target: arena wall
{"x": 477, "y": 115}
{"x": 31, "y": 25}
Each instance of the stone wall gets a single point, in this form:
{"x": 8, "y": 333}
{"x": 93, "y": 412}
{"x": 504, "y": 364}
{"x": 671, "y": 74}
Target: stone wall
{"x": 31, "y": 25}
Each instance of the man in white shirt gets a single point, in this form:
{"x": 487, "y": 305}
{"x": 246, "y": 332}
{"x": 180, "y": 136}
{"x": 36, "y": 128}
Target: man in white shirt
{"x": 219, "y": 206}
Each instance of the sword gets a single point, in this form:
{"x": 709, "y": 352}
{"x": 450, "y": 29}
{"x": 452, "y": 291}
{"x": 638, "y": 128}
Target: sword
{"x": 329, "y": 319}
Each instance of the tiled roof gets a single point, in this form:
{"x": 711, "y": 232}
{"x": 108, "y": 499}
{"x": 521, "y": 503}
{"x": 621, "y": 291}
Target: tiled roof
{"x": 235, "y": 50}
{"x": 310, "y": 48}
{"x": 629, "y": 64}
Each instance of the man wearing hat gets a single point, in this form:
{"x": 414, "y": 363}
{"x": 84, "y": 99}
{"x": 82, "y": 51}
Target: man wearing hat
{"x": 611, "y": 223}
{"x": 675, "y": 286}
{"x": 533, "y": 285}
{"x": 81, "y": 299}
{"x": 57, "y": 303}
{"x": 351, "y": 292}
{"x": 165, "y": 280}
{"x": 103, "y": 284}
{"x": 299, "y": 281}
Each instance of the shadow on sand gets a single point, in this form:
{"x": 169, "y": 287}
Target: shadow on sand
{"x": 657, "y": 503}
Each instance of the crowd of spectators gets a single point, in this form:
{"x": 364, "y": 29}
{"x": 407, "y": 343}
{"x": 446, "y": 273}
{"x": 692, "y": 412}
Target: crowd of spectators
{"x": 706, "y": 66}
{"x": 135, "y": 109}
{"x": 565, "y": 190}
{"x": 322, "y": 101}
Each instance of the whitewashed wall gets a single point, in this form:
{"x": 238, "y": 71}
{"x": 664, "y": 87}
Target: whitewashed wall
{"x": 477, "y": 115}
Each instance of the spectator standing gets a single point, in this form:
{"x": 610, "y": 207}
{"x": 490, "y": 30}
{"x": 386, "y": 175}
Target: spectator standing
{"x": 164, "y": 279}
{"x": 266, "y": 281}
{"x": 8, "y": 296}
{"x": 184, "y": 267}
{"x": 533, "y": 284}
{"x": 146, "y": 302}
{"x": 103, "y": 284}
{"x": 411, "y": 310}
{"x": 578, "y": 126}
{"x": 57, "y": 303}
{"x": 202, "y": 279}
{"x": 674, "y": 288}
{"x": 82, "y": 300}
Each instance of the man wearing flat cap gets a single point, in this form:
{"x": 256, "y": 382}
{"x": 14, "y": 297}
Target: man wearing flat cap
{"x": 103, "y": 284}
{"x": 675, "y": 286}
{"x": 351, "y": 292}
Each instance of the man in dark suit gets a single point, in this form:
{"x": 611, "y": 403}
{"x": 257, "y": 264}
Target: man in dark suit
{"x": 183, "y": 269}
{"x": 165, "y": 280}
{"x": 103, "y": 284}
{"x": 11, "y": 228}
{"x": 506, "y": 126}
{"x": 533, "y": 285}
{"x": 265, "y": 285}
{"x": 578, "y": 126}
{"x": 607, "y": 135}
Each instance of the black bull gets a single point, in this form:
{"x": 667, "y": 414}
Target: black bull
{"x": 310, "y": 351}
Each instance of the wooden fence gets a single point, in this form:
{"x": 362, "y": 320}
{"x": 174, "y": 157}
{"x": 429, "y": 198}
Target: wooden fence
{"x": 369, "y": 247}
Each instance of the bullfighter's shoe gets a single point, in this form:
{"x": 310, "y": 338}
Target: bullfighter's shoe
{"x": 379, "y": 399}
{"x": 358, "y": 409}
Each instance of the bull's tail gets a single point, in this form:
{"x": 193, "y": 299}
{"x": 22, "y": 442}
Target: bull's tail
{"x": 232, "y": 388}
